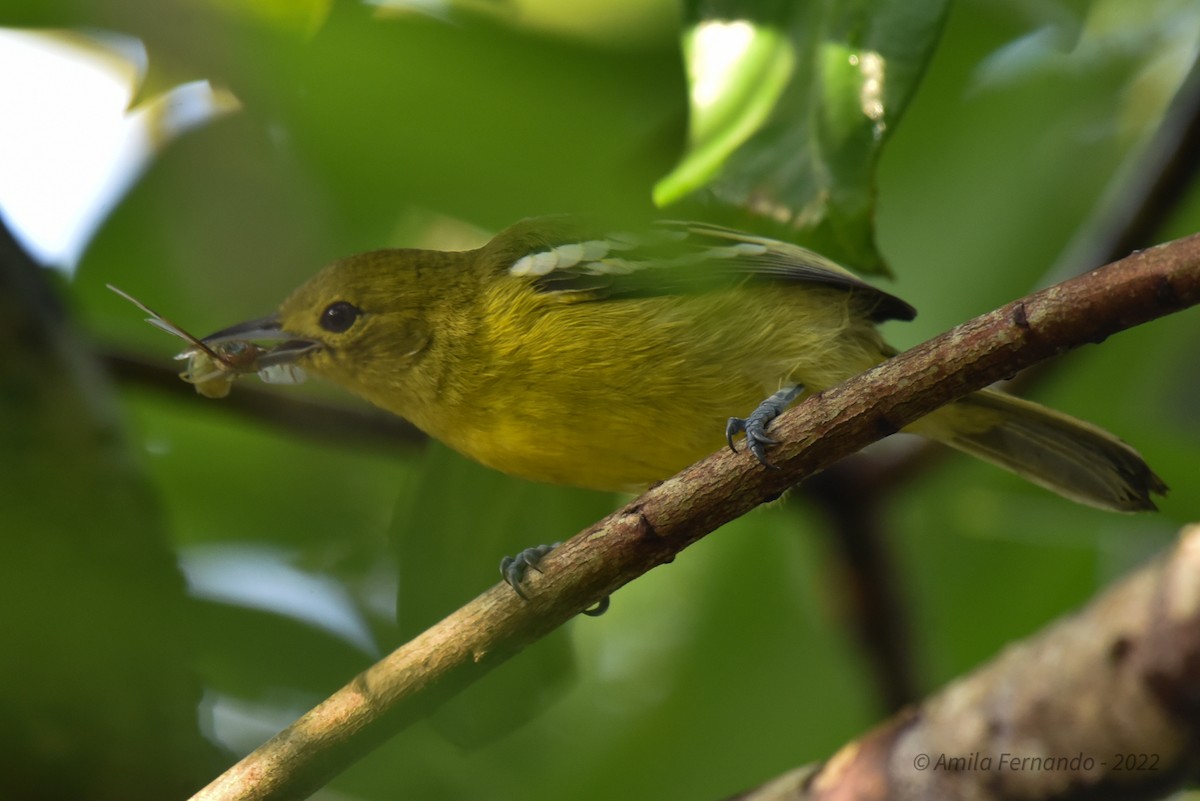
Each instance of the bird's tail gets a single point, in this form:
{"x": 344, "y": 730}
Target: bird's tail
{"x": 1070, "y": 457}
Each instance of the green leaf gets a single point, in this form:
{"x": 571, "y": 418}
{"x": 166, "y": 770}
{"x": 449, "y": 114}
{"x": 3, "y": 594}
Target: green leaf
{"x": 787, "y": 140}
{"x": 736, "y": 71}
{"x": 449, "y": 532}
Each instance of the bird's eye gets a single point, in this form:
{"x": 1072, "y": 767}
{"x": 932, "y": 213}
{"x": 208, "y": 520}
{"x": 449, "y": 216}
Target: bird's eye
{"x": 339, "y": 316}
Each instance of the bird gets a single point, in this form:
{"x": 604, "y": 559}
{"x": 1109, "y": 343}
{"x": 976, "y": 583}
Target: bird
{"x": 562, "y": 353}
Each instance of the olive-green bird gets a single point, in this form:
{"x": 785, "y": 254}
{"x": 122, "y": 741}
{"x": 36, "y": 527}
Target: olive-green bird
{"x": 613, "y": 361}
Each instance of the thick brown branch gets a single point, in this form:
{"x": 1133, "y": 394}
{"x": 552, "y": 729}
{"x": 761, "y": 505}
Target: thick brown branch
{"x": 650, "y": 530}
{"x": 1100, "y": 704}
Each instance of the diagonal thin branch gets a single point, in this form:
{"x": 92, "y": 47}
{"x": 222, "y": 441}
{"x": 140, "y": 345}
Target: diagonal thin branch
{"x": 650, "y": 530}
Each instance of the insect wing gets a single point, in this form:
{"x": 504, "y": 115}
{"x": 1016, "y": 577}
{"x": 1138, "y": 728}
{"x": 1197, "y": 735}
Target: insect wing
{"x": 282, "y": 374}
{"x": 163, "y": 324}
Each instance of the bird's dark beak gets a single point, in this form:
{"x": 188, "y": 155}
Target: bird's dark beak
{"x": 268, "y": 329}
{"x": 263, "y": 328}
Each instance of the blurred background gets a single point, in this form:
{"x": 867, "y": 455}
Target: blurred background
{"x": 183, "y": 577}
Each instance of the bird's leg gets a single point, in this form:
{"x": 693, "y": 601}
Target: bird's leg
{"x": 514, "y": 569}
{"x": 755, "y": 426}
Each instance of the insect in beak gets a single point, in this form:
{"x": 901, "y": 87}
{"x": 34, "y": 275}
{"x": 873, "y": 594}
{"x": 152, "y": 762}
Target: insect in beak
{"x": 276, "y": 365}
{"x": 214, "y": 362}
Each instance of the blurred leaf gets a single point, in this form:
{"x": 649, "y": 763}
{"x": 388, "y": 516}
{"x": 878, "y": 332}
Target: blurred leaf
{"x": 251, "y": 653}
{"x": 611, "y": 24}
{"x": 448, "y": 551}
{"x": 805, "y": 171}
{"x": 180, "y": 36}
{"x": 510, "y": 125}
{"x": 296, "y": 17}
{"x": 101, "y": 694}
{"x": 227, "y": 258}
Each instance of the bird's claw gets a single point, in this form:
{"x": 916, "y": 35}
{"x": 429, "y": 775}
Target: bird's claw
{"x": 755, "y": 426}
{"x": 755, "y": 429}
{"x": 515, "y": 568}
{"x": 600, "y": 608}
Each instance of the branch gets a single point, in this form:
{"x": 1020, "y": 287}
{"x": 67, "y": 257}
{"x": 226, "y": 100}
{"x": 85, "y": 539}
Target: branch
{"x": 1100, "y": 704}
{"x": 295, "y": 414}
{"x": 1142, "y": 196}
{"x": 650, "y": 530}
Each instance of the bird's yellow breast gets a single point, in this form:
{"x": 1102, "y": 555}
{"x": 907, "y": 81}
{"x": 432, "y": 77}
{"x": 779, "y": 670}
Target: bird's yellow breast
{"x": 617, "y": 394}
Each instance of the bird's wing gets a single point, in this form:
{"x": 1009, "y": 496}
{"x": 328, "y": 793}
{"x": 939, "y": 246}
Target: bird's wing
{"x": 673, "y": 258}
